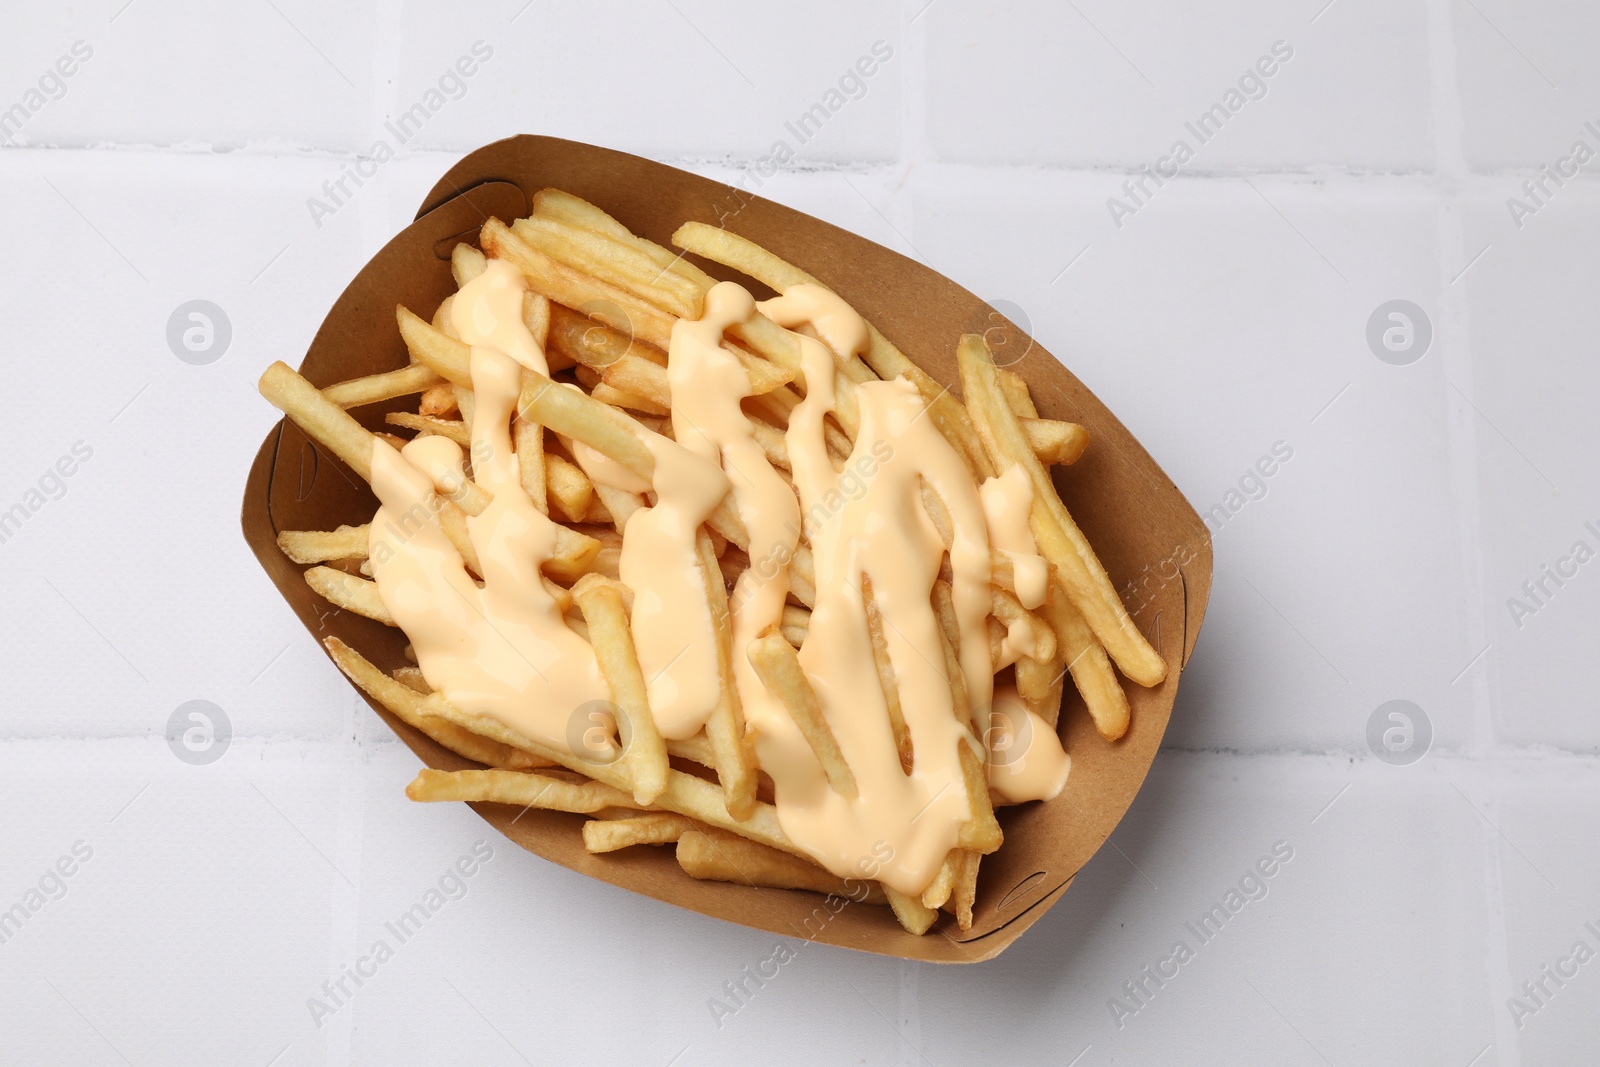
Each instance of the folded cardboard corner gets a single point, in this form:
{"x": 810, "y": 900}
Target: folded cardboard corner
{"x": 1145, "y": 532}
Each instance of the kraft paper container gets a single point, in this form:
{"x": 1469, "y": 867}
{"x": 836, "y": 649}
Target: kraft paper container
{"x": 1137, "y": 520}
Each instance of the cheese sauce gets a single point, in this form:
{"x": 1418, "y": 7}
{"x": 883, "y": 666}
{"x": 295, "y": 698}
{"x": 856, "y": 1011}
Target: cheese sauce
{"x": 500, "y": 646}
{"x": 1007, "y": 499}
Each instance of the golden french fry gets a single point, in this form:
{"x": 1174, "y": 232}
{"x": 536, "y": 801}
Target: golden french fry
{"x": 765, "y": 374}
{"x": 802, "y": 573}
{"x": 411, "y": 678}
{"x": 886, "y": 677}
{"x": 621, "y": 398}
{"x": 1059, "y": 539}
{"x": 1059, "y": 443}
{"x": 1091, "y": 670}
{"x": 1005, "y": 607}
{"x": 939, "y": 514}
{"x": 319, "y": 546}
{"x": 997, "y": 650}
{"x": 569, "y": 489}
{"x": 724, "y": 857}
{"x": 614, "y": 262}
{"x": 696, "y": 749}
{"x": 573, "y": 413}
{"x": 574, "y": 552}
{"x": 326, "y": 422}
{"x": 590, "y": 343}
{"x": 448, "y": 357}
{"x": 1018, "y": 398}
{"x": 702, "y": 800}
{"x": 521, "y": 788}
{"x": 444, "y": 321}
{"x": 650, "y": 828}
{"x": 349, "y": 592}
{"x": 608, "y": 559}
{"x": 939, "y": 890}
{"x": 558, "y": 204}
{"x": 536, "y": 317}
{"x": 613, "y": 305}
{"x": 735, "y": 759}
{"x": 618, "y": 504}
{"x": 466, "y": 263}
{"x": 439, "y": 401}
{"x": 617, "y": 308}
{"x": 772, "y": 442}
{"x": 386, "y": 386}
{"x": 451, "y": 428}
{"x": 779, "y": 669}
{"x": 1039, "y": 683}
{"x": 965, "y": 891}
{"x": 413, "y": 708}
{"x": 981, "y": 832}
{"x": 740, "y": 253}
{"x": 912, "y": 914}
{"x": 763, "y": 336}
{"x": 644, "y": 754}
{"x": 453, "y": 521}
{"x": 640, "y": 377}
{"x": 796, "y": 623}
{"x": 527, "y": 441}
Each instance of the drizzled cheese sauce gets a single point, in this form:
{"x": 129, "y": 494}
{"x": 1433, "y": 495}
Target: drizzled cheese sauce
{"x": 498, "y": 644}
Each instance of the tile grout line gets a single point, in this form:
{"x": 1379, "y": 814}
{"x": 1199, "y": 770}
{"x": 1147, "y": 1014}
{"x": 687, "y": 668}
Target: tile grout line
{"x": 1455, "y": 352}
{"x": 913, "y": 152}
{"x": 373, "y": 224}
{"x": 913, "y": 83}
{"x": 348, "y": 848}
{"x": 909, "y": 1008}
{"x": 1319, "y": 173}
{"x": 1491, "y": 180}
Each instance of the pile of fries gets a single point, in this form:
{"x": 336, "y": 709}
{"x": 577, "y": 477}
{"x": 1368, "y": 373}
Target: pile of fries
{"x": 602, "y": 303}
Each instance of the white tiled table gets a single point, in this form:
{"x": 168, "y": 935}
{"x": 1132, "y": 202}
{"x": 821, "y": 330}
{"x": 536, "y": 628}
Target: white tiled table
{"x": 1226, "y": 315}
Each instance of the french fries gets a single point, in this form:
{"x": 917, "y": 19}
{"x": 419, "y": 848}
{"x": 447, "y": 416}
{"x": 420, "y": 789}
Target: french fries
{"x": 318, "y": 546}
{"x": 385, "y": 386}
{"x": 1079, "y": 570}
{"x": 779, "y": 668}
{"x": 603, "y": 305}
{"x": 724, "y": 857}
{"x": 521, "y": 788}
{"x": 644, "y": 755}
{"x": 648, "y": 828}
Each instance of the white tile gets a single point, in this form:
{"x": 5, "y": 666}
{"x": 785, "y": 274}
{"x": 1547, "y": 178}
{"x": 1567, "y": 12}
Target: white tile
{"x": 1388, "y": 872}
{"x": 1532, "y": 394}
{"x": 288, "y": 72}
{"x": 1549, "y": 908}
{"x": 142, "y": 592}
{"x": 1101, "y": 84}
{"x": 1526, "y": 82}
{"x": 195, "y": 893}
{"x": 693, "y": 79}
